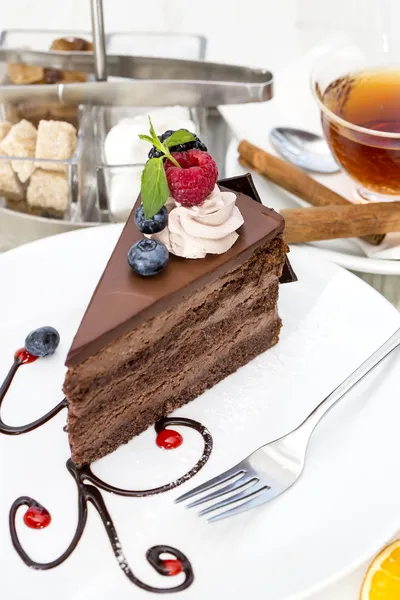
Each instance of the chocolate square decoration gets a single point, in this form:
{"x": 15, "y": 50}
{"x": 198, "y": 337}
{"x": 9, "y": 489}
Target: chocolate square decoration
{"x": 244, "y": 184}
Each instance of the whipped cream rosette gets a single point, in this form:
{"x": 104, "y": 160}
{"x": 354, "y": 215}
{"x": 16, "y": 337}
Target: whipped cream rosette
{"x": 210, "y": 228}
{"x": 182, "y": 211}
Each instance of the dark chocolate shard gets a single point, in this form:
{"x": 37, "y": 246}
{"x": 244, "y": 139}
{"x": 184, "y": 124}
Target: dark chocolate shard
{"x": 244, "y": 184}
{"x": 288, "y": 274}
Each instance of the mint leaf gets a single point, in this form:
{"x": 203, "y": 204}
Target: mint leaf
{"x": 154, "y": 142}
{"x": 147, "y": 138}
{"x": 154, "y": 187}
{"x": 170, "y": 157}
{"x": 179, "y": 137}
{"x": 157, "y": 144}
{"x": 154, "y": 138}
{"x": 152, "y": 130}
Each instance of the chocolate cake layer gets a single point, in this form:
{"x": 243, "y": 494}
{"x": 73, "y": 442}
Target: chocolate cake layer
{"x": 175, "y": 356}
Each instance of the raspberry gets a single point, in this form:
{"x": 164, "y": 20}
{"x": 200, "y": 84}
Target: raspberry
{"x": 197, "y": 144}
{"x": 191, "y": 184}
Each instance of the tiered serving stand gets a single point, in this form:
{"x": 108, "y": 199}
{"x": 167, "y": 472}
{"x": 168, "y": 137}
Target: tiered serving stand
{"x": 128, "y": 73}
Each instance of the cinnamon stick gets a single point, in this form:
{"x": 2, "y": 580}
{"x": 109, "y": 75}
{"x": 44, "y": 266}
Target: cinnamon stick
{"x": 330, "y": 222}
{"x": 294, "y": 181}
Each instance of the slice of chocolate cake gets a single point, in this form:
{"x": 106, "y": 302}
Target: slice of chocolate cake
{"x": 188, "y": 296}
{"x": 149, "y": 345}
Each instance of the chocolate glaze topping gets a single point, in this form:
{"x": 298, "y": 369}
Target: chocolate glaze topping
{"x": 123, "y": 300}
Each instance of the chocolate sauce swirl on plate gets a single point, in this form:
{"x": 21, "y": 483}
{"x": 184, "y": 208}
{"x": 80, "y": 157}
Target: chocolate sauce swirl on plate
{"x": 22, "y": 357}
{"x": 37, "y": 517}
{"x": 162, "y": 424}
{"x": 89, "y": 493}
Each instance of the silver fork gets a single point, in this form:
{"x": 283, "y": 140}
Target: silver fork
{"x": 275, "y": 467}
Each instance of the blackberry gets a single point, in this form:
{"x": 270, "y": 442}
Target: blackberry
{"x": 197, "y": 144}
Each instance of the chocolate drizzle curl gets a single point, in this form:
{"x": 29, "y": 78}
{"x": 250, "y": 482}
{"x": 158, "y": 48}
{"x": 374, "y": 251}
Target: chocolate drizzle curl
{"x": 17, "y": 430}
{"x": 89, "y": 493}
{"x": 87, "y": 473}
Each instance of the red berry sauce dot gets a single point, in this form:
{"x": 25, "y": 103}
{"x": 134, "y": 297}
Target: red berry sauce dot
{"x": 37, "y": 517}
{"x": 24, "y": 356}
{"x": 174, "y": 567}
{"x": 169, "y": 439}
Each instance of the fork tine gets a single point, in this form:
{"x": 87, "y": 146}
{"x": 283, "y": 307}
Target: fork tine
{"x": 221, "y": 478}
{"x": 238, "y": 484}
{"x": 254, "y": 500}
{"x": 247, "y": 493}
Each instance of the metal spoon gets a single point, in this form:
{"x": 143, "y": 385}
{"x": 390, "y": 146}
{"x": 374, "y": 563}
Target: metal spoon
{"x": 303, "y": 149}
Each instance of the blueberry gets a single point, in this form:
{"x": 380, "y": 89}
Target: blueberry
{"x": 42, "y": 341}
{"x": 196, "y": 144}
{"x": 153, "y": 225}
{"x": 148, "y": 257}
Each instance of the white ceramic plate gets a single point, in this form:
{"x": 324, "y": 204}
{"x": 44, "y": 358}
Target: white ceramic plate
{"x": 342, "y": 510}
{"x": 345, "y": 252}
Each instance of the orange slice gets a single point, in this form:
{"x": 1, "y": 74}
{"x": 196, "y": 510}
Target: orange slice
{"x": 382, "y": 581}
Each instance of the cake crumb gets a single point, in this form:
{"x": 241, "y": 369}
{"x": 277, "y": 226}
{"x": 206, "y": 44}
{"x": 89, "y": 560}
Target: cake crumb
{"x": 48, "y": 190}
{"x": 56, "y": 140}
{"x": 20, "y": 141}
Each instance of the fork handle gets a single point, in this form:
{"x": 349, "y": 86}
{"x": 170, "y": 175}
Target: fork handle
{"x": 364, "y": 369}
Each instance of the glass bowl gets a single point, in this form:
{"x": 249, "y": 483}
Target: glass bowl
{"x": 87, "y": 205}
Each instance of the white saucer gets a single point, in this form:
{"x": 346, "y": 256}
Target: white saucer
{"x": 343, "y": 509}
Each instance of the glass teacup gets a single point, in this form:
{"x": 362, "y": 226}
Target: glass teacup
{"x": 358, "y": 93}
